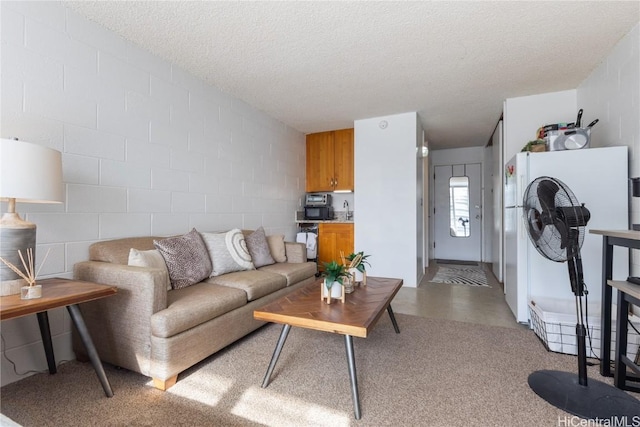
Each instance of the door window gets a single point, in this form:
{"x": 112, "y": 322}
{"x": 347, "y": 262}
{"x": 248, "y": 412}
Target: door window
{"x": 459, "y": 206}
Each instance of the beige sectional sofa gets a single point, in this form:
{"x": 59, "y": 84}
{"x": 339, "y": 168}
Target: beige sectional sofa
{"x": 158, "y": 332}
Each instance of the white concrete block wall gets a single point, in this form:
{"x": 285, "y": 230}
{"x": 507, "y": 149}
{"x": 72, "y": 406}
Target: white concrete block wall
{"x": 148, "y": 149}
{"x": 611, "y": 93}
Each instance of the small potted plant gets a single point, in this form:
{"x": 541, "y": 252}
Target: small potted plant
{"x": 357, "y": 266}
{"x": 334, "y": 277}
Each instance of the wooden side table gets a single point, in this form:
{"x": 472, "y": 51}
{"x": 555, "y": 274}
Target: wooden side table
{"x": 61, "y": 293}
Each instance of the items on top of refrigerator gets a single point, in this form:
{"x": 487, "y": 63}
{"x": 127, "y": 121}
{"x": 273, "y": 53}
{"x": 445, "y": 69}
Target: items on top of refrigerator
{"x": 566, "y": 136}
{"x": 537, "y": 145}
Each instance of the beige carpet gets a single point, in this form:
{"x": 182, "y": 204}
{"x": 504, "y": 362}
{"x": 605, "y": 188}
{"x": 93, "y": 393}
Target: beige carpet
{"x": 434, "y": 373}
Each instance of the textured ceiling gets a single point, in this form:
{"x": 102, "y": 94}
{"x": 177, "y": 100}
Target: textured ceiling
{"x": 321, "y": 65}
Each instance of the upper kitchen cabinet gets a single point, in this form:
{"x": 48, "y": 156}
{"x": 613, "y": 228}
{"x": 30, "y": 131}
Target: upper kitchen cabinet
{"x": 330, "y": 161}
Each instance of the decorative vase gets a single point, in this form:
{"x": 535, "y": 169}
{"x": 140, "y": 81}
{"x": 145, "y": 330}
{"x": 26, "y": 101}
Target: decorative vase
{"x": 359, "y": 277}
{"x": 334, "y": 291}
{"x": 349, "y": 283}
{"x": 31, "y": 292}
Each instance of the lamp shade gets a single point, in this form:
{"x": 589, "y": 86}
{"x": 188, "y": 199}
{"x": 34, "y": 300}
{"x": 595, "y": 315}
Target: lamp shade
{"x": 30, "y": 173}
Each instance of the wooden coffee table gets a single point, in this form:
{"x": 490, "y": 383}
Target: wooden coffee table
{"x": 355, "y": 317}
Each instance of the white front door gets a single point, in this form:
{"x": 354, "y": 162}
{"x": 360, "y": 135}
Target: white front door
{"x": 458, "y": 212}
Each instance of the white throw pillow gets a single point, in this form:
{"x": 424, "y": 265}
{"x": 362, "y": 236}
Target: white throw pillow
{"x": 228, "y": 252}
{"x": 152, "y": 258}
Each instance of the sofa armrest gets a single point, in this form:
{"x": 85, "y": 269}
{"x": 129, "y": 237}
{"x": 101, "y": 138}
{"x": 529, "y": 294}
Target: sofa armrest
{"x": 121, "y": 325}
{"x": 144, "y": 287}
{"x": 296, "y": 252}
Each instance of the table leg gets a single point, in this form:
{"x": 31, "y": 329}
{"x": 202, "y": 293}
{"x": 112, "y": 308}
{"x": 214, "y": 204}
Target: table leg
{"x": 605, "y": 322}
{"x": 76, "y": 316}
{"x": 348, "y": 341}
{"x": 619, "y": 376}
{"x": 45, "y": 333}
{"x": 276, "y": 354}
{"x": 393, "y": 319}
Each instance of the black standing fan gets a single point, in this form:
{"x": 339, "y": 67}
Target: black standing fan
{"x": 556, "y": 221}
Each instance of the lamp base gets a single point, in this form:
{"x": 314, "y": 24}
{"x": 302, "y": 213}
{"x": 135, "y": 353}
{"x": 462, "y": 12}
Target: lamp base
{"x": 13, "y": 221}
{"x": 15, "y": 235}
{"x": 595, "y": 401}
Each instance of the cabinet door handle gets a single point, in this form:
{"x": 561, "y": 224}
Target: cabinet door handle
{"x": 335, "y": 182}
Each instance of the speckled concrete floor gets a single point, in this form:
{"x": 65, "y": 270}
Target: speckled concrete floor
{"x": 480, "y": 305}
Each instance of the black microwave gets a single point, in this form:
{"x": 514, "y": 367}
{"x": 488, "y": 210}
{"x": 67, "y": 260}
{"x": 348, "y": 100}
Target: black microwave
{"x": 318, "y": 212}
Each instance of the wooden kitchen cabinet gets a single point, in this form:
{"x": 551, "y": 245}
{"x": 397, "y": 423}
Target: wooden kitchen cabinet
{"x": 333, "y": 238}
{"x": 330, "y": 161}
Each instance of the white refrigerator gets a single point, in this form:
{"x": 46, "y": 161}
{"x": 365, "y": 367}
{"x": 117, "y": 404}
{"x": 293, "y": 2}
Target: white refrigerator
{"x": 598, "y": 177}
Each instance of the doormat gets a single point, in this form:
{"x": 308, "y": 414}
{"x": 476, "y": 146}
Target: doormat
{"x": 453, "y": 261}
{"x": 461, "y": 275}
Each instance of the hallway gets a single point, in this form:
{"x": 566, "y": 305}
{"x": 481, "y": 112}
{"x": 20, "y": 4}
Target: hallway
{"x": 480, "y": 305}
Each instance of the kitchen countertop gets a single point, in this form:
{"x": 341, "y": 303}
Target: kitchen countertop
{"x": 340, "y": 218}
{"x": 331, "y": 221}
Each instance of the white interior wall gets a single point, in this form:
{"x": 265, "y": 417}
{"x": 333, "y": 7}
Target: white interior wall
{"x": 524, "y": 115}
{"x": 611, "y": 94}
{"x": 421, "y": 183}
{"x": 147, "y": 148}
{"x": 498, "y": 183}
{"x": 385, "y": 182}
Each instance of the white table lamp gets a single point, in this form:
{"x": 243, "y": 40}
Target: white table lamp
{"x": 29, "y": 173}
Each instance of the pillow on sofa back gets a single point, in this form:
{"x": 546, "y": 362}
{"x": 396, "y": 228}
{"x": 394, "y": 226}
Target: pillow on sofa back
{"x": 117, "y": 251}
{"x": 259, "y": 248}
{"x": 186, "y": 257}
{"x": 277, "y": 248}
{"x": 151, "y": 258}
{"x": 228, "y": 252}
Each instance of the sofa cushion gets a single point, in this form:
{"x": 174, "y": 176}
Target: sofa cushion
{"x": 194, "y": 305}
{"x": 294, "y": 273}
{"x": 259, "y": 248}
{"x": 255, "y": 283}
{"x": 117, "y": 251}
{"x": 186, "y": 257}
{"x": 228, "y": 252}
{"x": 277, "y": 247}
{"x": 151, "y": 258}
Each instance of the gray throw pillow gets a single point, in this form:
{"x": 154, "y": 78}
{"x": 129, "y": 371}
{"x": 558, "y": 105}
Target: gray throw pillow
{"x": 259, "y": 248}
{"x": 186, "y": 257}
